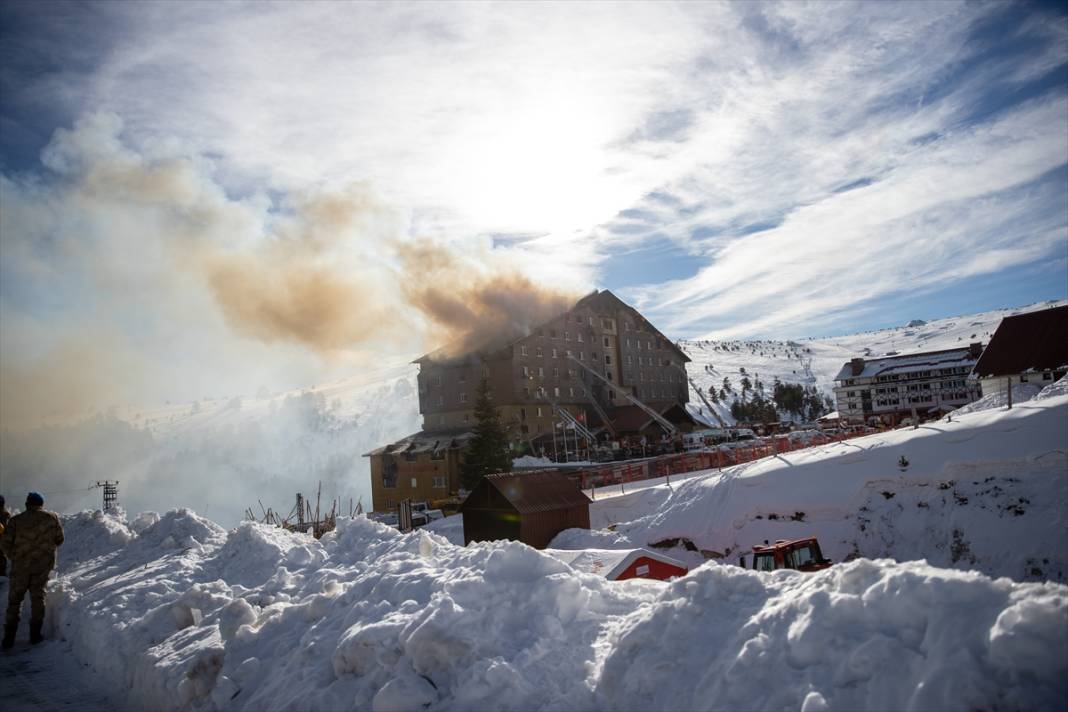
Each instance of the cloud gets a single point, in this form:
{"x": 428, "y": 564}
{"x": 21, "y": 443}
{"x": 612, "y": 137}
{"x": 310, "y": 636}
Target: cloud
{"x": 120, "y": 268}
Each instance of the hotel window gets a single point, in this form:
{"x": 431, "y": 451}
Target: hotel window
{"x": 440, "y": 482}
{"x": 526, "y": 372}
{"x": 539, "y": 411}
{"x": 552, "y": 333}
{"x": 629, "y": 360}
{"x": 541, "y": 372}
{"x": 556, "y": 372}
{"x": 567, "y": 336}
{"x": 441, "y": 400}
{"x": 538, "y": 352}
{"x": 526, "y": 393}
{"x": 555, "y": 354}
{"x": 571, "y": 392}
{"x": 568, "y": 352}
{"x": 463, "y": 397}
{"x": 607, "y": 358}
{"x": 579, "y": 337}
{"x": 522, "y": 350}
{"x": 607, "y": 343}
{"x": 556, "y": 392}
{"x": 582, "y": 355}
{"x": 415, "y": 483}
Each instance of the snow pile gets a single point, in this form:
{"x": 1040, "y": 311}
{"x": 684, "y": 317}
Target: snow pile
{"x": 987, "y": 491}
{"x": 1021, "y": 392}
{"x": 864, "y": 635}
{"x": 90, "y": 534}
{"x": 368, "y": 618}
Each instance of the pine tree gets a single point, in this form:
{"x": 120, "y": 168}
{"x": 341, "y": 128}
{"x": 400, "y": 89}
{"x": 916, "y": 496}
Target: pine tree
{"x": 488, "y": 450}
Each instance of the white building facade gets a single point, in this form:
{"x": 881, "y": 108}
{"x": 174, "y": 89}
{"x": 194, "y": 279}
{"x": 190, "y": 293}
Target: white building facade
{"x": 891, "y": 388}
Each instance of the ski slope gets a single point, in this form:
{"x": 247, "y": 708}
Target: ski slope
{"x": 816, "y": 361}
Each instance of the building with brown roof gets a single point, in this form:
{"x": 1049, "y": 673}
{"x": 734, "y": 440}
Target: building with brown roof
{"x": 543, "y": 370}
{"x": 543, "y": 388}
{"x": 1026, "y": 348}
{"x": 531, "y": 507}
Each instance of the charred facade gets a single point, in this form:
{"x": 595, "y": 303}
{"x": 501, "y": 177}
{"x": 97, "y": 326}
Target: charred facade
{"x": 546, "y": 367}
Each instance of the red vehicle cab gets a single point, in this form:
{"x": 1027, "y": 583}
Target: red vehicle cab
{"x": 799, "y": 554}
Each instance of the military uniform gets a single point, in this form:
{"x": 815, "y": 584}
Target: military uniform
{"x": 29, "y": 540}
{"x": 4, "y": 516}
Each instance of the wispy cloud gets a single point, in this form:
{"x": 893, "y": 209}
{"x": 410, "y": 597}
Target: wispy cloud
{"x": 796, "y": 161}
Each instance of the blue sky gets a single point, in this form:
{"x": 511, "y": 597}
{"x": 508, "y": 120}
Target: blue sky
{"x": 740, "y": 170}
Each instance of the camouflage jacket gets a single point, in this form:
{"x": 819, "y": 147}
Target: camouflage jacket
{"x": 30, "y": 540}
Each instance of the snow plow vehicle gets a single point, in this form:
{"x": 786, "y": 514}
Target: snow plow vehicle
{"x": 798, "y": 554}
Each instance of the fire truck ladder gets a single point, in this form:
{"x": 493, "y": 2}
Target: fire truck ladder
{"x": 660, "y": 420}
{"x": 709, "y": 405}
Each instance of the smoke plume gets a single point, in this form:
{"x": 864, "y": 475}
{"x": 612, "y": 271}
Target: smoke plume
{"x": 474, "y": 307}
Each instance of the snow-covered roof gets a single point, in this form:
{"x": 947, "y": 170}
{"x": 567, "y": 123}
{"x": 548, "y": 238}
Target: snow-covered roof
{"x": 909, "y": 363}
{"x": 608, "y": 563}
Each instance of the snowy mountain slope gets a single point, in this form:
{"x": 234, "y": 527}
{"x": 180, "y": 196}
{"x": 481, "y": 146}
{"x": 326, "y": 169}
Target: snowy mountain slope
{"x": 183, "y": 615}
{"x": 986, "y": 491}
{"x": 816, "y": 361}
{"x": 222, "y": 455}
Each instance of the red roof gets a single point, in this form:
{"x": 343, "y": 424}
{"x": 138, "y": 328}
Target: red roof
{"x": 1035, "y": 341}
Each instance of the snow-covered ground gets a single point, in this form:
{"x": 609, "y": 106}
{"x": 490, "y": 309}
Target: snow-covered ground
{"x": 178, "y": 613}
{"x": 185, "y": 615}
{"x": 986, "y": 490}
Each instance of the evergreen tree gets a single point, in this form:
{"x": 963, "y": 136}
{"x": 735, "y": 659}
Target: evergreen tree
{"x": 487, "y": 451}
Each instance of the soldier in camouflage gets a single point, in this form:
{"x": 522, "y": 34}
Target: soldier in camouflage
{"x": 4, "y": 516}
{"x": 29, "y": 540}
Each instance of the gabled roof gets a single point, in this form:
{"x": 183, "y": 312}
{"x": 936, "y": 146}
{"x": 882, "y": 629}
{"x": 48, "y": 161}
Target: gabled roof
{"x": 609, "y": 563}
{"x": 605, "y": 298}
{"x": 1034, "y": 341}
{"x": 531, "y": 492}
{"x": 632, "y": 419}
{"x": 595, "y": 299}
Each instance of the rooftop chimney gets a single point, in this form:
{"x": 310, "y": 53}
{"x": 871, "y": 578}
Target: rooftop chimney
{"x": 857, "y": 365}
{"x": 975, "y": 350}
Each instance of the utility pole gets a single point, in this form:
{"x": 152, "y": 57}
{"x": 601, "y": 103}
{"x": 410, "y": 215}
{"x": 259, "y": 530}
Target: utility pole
{"x": 111, "y": 493}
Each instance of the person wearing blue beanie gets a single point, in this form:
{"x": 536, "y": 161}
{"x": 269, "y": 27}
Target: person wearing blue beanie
{"x": 30, "y": 540}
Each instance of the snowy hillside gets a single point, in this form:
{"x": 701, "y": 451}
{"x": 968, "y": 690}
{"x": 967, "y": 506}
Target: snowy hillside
{"x": 987, "y": 490}
{"x": 177, "y": 613}
{"x": 816, "y": 361}
{"x": 222, "y": 455}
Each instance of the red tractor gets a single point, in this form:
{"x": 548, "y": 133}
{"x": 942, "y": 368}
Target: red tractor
{"x": 799, "y": 554}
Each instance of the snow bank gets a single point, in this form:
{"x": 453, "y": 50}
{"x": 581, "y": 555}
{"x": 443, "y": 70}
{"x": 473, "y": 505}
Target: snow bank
{"x": 864, "y": 635}
{"x": 1021, "y": 392}
{"x": 90, "y": 534}
{"x": 987, "y": 491}
{"x": 188, "y": 616}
